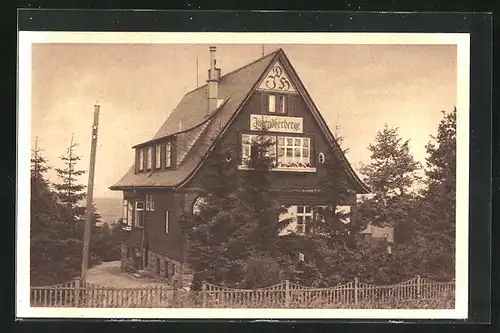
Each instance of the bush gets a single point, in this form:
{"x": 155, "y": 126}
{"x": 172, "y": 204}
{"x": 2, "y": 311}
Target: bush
{"x": 262, "y": 272}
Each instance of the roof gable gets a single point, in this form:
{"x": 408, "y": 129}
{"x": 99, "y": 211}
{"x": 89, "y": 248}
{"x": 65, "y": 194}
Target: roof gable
{"x": 277, "y": 79}
{"x": 204, "y": 129}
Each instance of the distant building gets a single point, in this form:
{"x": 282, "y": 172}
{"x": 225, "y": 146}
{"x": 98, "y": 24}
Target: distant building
{"x": 164, "y": 181}
{"x": 375, "y": 234}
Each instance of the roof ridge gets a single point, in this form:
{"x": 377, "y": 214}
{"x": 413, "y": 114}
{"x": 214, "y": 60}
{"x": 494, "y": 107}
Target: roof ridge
{"x": 236, "y": 70}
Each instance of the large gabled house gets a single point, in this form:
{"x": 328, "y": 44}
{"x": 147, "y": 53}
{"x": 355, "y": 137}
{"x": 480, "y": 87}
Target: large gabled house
{"x": 164, "y": 181}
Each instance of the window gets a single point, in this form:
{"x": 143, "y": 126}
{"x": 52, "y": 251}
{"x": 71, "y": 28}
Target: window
{"x": 157, "y": 156}
{"x": 271, "y": 103}
{"x": 139, "y": 214}
{"x": 150, "y": 202}
{"x": 344, "y": 213}
{"x": 281, "y": 104}
{"x": 127, "y": 215}
{"x": 294, "y": 152}
{"x": 149, "y": 158}
{"x": 276, "y": 104}
{"x": 198, "y": 205}
{"x": 168, "y": 155}
{"x": 246, "y": 146}
{"x": 304, "y": 217}
{"x": 141, "y": 159}
{"x": 321, "y": 158}
{"x": 166, "y": 221}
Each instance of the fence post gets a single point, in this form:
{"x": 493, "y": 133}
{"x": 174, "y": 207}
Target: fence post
{"x": 355, "y": 290}
{"x": 77, "y": 292}
{"x": 204, "y": 293}
{"x": 287, "y": 293}
{"x": 418, "y": 286}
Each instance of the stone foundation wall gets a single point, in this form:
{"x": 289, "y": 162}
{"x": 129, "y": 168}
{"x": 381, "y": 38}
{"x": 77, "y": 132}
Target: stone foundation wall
{"x": 158, "y": 264}
{"x": 162, "y": 266}
{"x": 127, "y": 263}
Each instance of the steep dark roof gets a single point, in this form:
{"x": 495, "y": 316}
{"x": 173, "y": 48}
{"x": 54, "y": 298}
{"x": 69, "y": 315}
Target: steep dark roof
{"x": 202, "y": 129}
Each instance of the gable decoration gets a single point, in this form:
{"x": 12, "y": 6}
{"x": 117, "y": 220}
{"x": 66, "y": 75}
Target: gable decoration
{"x": 277, "y": 80}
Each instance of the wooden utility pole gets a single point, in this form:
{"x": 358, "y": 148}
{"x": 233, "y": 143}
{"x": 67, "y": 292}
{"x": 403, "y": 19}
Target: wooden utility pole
{"x": 90, "y": 192}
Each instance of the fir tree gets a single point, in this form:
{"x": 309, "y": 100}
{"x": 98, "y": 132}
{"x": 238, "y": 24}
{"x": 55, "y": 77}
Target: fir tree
{"x": 216, "y": 248}
{"x": 261, "y": 207}
{"x": 391, "y": 175}
{"x": 69, "y": 191}
{"x": 44, "y": 207}
{"x": 436, "y": 227}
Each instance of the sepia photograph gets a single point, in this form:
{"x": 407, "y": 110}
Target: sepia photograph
{"x": 220, "y": 172}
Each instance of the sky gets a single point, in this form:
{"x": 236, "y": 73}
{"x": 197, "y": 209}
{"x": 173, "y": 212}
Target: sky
{"x": 358, "y": 88}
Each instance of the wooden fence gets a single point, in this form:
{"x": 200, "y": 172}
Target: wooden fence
{"x": 283, "y": 295}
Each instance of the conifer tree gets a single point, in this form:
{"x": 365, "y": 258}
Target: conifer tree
{"x": 216, "y": 250}
{"x": 435, "y": 229}
{"x": 391, "y": 175}
{"x": 69, "y": 191}
{"x": 44, "y": 207}
{"x": 262, "y": 211}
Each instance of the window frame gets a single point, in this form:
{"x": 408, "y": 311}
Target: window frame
{"x": 344, "y": 209}
{"x": 243, "y": 158}
{"x": 126, "y": 223}
{"x": 167, "y": 221}
{"x": 150, "y": 203}
{"x": 303, "y": 215}
{"x": 168, "y": 155}
{"x": 276, "y": 103}
{"x": 294, "y": 147}
{"x": 157, "y": 158}
{"x": 141, "y": 159}
{"x": 306, "y": 164}
{"x": 139, "y": 212}
{"x": 149, "y": 158}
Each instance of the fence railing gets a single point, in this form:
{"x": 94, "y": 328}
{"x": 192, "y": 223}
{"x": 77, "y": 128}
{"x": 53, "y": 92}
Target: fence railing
{"x": 282, "y": 295}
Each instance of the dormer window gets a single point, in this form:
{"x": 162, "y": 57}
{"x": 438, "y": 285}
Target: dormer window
{"x": 141, "y": 159}
{"x": 168, "y": 155}
{"x": 149, "y": 158}
{"x": 157, "y": 156}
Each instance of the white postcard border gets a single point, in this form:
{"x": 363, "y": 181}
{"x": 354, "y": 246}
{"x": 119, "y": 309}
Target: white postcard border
{"x": 26, "y": 39}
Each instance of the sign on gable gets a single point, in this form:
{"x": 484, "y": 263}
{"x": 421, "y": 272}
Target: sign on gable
{"x": 276, "y": 124}
{"x": 277, "y": 80}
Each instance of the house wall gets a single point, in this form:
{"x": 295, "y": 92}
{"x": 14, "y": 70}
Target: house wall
{"x": 281, "y": 180}
{"x": 169, "y": 246}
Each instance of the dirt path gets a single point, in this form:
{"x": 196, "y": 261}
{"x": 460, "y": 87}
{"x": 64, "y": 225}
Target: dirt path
{"x": 108, "y": 274}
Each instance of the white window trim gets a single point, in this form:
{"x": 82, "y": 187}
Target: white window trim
{"x": 271, "y": 103}
{"x": 125, "y": 221}
{"x": 344, "y": 209}
{"x": 301, "y": 147}
{"x": 168, "y": 155}
{"x": 304, "y": 214}
{"x": 149, "y": 158}
{"x": 158, "y": 156}
{"x": 274, "y": 152}
{"x": 281, "y": 107}
{"x": 138, "y": 211}
{"x": 198, "y": 205}
{"x": 150, "y": 202}
{"x": 167, "y": 225}
{"x": 141, "y": 159}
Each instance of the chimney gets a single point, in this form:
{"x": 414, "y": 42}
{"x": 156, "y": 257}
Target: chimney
{"x": 213, "y": 82}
